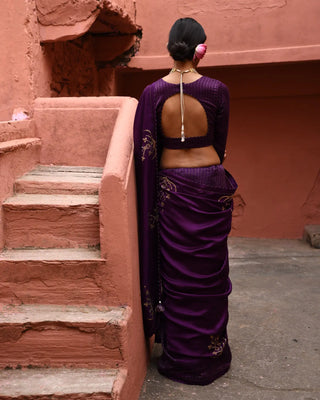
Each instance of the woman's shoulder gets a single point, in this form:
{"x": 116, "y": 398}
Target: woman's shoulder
{"x": 152, "y": 88}
{"x": 213, "y": 82}
{"x": 204, "y": 84}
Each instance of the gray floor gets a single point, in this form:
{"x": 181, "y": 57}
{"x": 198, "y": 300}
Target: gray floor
{"x": 274, "y": 328}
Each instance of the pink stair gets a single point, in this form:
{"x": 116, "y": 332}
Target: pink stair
{"x": 55, "y": 322}
{"x": 46, "y": 220}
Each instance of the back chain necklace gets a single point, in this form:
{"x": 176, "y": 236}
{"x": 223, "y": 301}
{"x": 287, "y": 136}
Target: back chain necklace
{"x": 183, "y": 138}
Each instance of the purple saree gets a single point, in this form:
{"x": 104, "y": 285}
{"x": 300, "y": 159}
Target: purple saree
{"x": 184, "y": 220}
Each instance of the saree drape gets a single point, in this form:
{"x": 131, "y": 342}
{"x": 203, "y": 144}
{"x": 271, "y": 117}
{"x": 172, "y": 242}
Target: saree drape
{"x": 184, "y": 217}
{"x": 195, "y": 207}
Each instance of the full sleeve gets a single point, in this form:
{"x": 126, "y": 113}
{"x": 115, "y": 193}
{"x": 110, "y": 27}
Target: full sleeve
{"x": 221, "y": 121}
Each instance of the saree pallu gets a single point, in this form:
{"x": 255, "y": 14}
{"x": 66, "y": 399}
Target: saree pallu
{"x": 195, "y": 207}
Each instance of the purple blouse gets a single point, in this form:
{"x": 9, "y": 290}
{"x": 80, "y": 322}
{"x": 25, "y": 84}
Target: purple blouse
{"x": 213, "y": 95}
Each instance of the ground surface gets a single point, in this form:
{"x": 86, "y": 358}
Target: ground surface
{"x": 273, "y": 331}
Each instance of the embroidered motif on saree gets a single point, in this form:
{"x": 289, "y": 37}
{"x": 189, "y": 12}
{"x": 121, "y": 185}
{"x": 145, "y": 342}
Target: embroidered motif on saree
{"x": 166, "y": 186}
{"x": 153, "y": 219}
{"x": 217, "y": 345}
{"x": 148, "y": 304}
{"x": 149, "y": 148}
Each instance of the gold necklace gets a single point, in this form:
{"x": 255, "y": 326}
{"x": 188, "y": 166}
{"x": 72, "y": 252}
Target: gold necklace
{"x": 182, "y": 72}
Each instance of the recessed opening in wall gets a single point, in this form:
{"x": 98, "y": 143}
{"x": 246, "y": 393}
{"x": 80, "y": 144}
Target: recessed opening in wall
{"x": 84, "y": 64}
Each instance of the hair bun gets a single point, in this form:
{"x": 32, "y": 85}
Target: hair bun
{"x": 179, "y": 51}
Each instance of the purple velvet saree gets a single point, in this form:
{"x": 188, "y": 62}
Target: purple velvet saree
{"x": 184, "y": 220}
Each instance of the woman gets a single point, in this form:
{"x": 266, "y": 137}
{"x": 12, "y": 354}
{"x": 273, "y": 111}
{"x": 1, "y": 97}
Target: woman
{"x": 185, "y": 206}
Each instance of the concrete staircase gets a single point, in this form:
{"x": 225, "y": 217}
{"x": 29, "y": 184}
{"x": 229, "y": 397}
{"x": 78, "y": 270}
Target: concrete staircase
{"x": 70, "y": 317}
{"x": 52, "y": 304}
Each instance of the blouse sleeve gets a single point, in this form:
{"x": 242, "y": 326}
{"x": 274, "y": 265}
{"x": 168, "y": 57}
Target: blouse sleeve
{"x": 221, "y": 122}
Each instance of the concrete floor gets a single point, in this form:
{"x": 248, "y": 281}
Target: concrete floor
{"x": 274, "y": 328}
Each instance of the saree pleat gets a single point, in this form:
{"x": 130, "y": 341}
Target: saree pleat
{"x": 195, "y": 208}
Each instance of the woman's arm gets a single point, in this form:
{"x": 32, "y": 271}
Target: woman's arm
{"x": 221, "y": 122}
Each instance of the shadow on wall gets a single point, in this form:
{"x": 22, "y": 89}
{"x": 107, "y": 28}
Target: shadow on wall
{"x": 85, "y": 66}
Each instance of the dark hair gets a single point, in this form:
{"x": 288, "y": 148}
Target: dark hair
{"x": 184, "y": 37}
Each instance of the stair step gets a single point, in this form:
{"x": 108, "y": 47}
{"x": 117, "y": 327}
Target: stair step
{"x": 50, "y": 255}
{"x": 39, "y": 200}
{"x": 44, "y": 383}
{"x": 54, "y": 276}
{"x": 11, "y": 130}
{"x": 18, "y": 144}
{"x": 60, "y": 179}
{"x": 48, "y": 221}
{"x": 62, "y": 336}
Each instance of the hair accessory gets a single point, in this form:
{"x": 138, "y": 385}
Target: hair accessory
{"x": 200, "y": 51}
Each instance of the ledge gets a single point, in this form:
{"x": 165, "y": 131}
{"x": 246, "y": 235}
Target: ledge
{"x": 243, "y": 57}
{"x": 65, "y": 20}
{"x": 18, "y": 144}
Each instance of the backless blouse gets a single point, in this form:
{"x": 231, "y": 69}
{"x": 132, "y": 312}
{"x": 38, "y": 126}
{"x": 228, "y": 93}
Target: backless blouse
{"x": 213, "y": 95}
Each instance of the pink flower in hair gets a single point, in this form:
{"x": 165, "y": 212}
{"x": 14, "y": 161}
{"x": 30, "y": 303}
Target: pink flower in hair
{"x": 200, "y": 51}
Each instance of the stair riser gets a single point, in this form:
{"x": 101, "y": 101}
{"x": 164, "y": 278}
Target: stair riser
{"x": 54, "y": 282}
{"x": 16, "y": 130}
{"x": 61, "y": 383}
{"x": 51, "y": 226}
{"x": 31, "y": 187}
{"x": 62, "y": 344}
{"x": 12, "y": 165}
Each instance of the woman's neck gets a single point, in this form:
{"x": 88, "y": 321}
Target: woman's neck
{"x": 183, "y": 65}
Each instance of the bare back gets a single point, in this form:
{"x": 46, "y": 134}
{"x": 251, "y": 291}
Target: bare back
{"x": 196, "y": 124}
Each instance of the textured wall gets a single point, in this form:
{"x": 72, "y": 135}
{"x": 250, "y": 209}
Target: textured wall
{"x": 80, "y": 67}
{"x": 23, "y": 70}
{"x": 239, "y": 31}
{"x": 66, "y": 20}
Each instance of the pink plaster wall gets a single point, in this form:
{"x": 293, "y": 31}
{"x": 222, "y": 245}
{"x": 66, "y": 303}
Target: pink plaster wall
{"x": 239, "y": 31}
{"x": 80, "y": 67}
{"x": 273, "y": 145}
{"x": 75, "y": 130}
{"x": 23, "y": 72}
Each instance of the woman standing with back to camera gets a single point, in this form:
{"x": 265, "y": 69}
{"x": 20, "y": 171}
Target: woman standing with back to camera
{"x": 185, "y": 207}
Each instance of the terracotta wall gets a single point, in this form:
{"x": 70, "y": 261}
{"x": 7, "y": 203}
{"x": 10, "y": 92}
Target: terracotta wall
{"x": 20, "y": 58}
{"x": 79, "y": 67}
{"x": 273, "y": 145}
{"x": 29, "y": 70}
{"x": 239, "y": 31}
